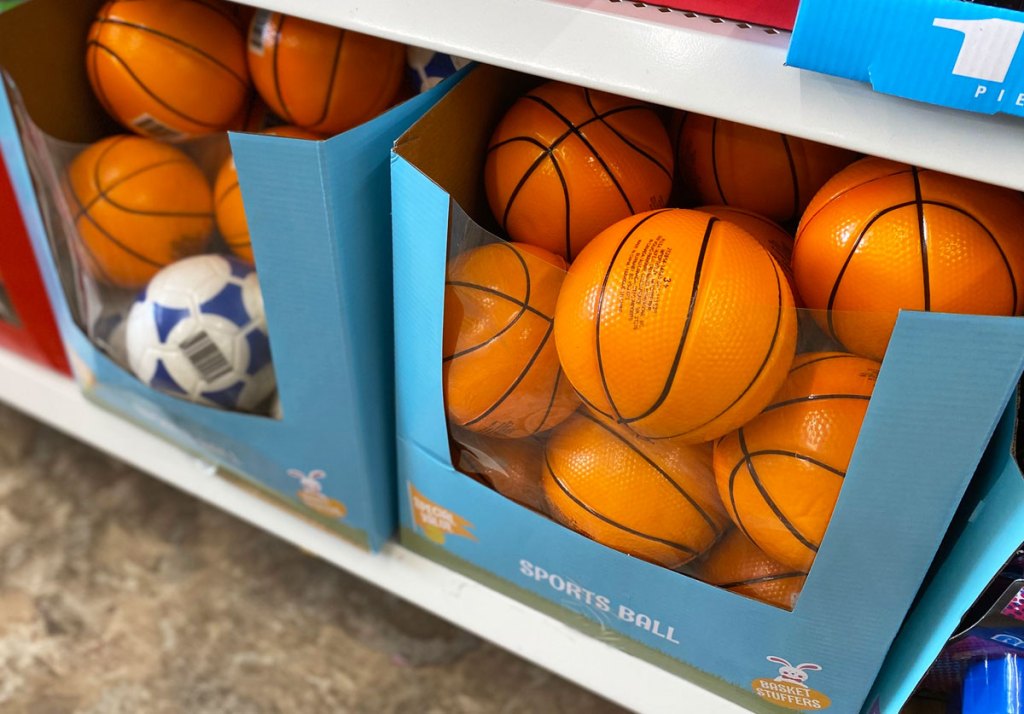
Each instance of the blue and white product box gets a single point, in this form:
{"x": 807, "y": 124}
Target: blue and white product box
{"x": 940, "y": 392}
{"x": 319, "y": 220}
{"x": 988, "y": 530}
{"x": 965, "y": 55}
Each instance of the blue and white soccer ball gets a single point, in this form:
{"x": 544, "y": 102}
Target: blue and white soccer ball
{"x": 427, "y": 68}
{"x": 198, "y": 332}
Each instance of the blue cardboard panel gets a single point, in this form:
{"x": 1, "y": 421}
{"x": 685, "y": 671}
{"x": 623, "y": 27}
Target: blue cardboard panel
{"x": 419, "y": 267}
{"x": 991, "y": 532}
{"x": 940, "y": 393}
{"x": 329, "y": 300}
{"x": 957, "y": 54}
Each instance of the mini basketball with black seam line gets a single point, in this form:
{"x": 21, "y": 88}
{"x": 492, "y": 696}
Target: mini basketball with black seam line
{"x": 169, "y": 68}
{"x": 768, "y": 233}
{"x": 227, "y": 198}
{"x": 766, "y": 172}
{"x": 883, "y": 236}
{"x": 566, "y": 162}
{"x": 512, "y": 467}
{"x": 737, "y": 565}
{"x": 676, "y": 324}
{"x": 499, "y": 365}
{"x": 319, "y": 77}
{"x": 779, "y": 475}
{"x": 779, "y": 242}
{"x": 138, "y": 205}
{"x": 652, "y": 500}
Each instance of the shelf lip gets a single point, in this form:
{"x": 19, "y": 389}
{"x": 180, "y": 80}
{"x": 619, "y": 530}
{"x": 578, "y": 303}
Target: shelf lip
{"x": 691, "y": 63}
{"x": 590, "y": 663}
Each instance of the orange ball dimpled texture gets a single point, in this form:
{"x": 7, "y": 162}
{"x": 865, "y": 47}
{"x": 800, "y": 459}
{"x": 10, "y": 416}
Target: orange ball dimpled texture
{"x": 676, "y": 324}
{"x": 768, "y": 233}
{"x": 566, "y": 162}
{"x": 500, "y": 368}
{"x": 766, "y": 172}
{"x": 167, "y": 68}
{"x": 737, "y": 565}
{"x": 780, "y": 474}
{"x": 138, "y": 205}
{"x": 229, "y": 211}
{"x": 320, "y": 77}
{"x": 883, "y": 236}
{"x": 512, "y": 467}
{"x": 651, "y": 500}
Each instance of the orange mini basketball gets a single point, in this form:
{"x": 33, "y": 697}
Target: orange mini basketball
{"x": 166, "y": 68}
{"x": 138, "y": 205}
{"x": 229, "y": 211}
{"x": 883, "y": 236}
{"x": 768, "y": 233}
{"x": 652, "y": 500}
{"x": 769, "y": 173}
{"x": 566, "y": 162}
{"x": 320, "y": 77}
{"x": 676, "y": 324}
{"x": 779, "y": 475}
{"x": 500, "y": 368}
{"x": 512, "y": 467}
{"x": 738, "y": 565}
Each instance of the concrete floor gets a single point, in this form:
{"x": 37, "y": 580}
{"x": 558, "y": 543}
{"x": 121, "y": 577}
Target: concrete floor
{"x": 119, "y": 595}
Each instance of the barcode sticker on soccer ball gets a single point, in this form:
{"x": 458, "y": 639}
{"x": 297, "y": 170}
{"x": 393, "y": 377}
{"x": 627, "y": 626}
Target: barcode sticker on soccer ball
{"x": 206, "y": 357}
{"x": 259, "y": 23}
{"x": 154, "y": 127}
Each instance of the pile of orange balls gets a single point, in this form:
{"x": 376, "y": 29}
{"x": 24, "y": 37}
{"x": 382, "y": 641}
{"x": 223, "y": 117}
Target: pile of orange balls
{"x": 169, "y": 70}
{"x": 673, "y": 351}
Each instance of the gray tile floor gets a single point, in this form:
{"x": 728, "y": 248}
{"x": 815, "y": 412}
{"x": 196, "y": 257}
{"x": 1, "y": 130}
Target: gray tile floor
{"x": 119, "y": 595}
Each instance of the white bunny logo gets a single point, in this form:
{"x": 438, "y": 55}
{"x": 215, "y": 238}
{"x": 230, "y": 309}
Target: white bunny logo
{"x": 310, "y": 482}
{"x": 793, "y": 675}
{"x": 311, "y": 493}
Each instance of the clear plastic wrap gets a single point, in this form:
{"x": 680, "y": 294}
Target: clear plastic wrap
{"x": 148, "y": 277}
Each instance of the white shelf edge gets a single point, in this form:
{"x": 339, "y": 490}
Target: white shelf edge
{"x": 590, "y": 663}
{"x": 691, "y": 63}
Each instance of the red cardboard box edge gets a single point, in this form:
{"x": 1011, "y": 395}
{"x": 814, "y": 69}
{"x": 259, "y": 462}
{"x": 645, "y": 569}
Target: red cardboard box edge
{"x": 37, "y": 337}
{"x": 780, "y": 14}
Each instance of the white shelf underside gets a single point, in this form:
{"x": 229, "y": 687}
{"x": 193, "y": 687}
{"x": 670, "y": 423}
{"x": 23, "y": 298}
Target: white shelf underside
{"x": 692, "y": 63}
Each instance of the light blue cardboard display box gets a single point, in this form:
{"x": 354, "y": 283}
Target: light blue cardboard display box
{"x": 989, "y": 529}
{"x": 940, "y": 393}
{"x": 958, "y": 54}
{"x": 319, "y": 218}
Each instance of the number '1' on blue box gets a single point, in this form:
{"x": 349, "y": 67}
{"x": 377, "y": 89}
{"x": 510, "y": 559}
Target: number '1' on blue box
{"x": 957, "y": 54}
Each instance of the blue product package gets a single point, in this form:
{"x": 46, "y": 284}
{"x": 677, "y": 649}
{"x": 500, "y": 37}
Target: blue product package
{"x": 319, "y": 219}
{"x": 957, "y": 54}
{"x": 918, "y": 448}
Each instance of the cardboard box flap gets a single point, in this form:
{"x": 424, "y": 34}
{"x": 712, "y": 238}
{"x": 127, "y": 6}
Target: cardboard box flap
{"x": 991, "y": 527}
{"x": 457, "y": 143}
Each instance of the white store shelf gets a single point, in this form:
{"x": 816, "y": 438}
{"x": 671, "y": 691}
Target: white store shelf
{"x": 688, "y": 62}
{"x": 543, "y": 640}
